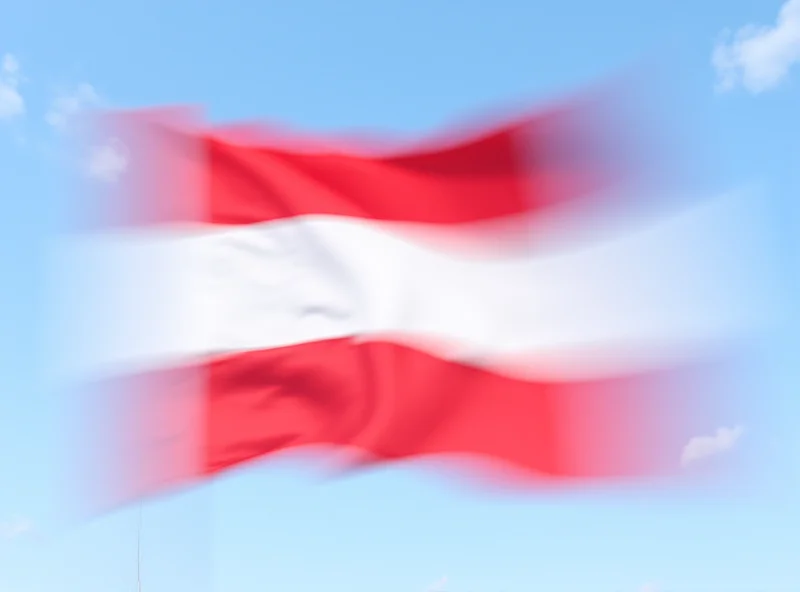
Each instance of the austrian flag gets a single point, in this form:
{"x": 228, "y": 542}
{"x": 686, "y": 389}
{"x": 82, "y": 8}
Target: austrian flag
{"x": 518, "y": 295}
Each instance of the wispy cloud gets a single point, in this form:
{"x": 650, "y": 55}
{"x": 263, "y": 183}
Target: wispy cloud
{"x": 759, "y": 57}
{"x": 704, "y": 447}
{"x": 107, "y": 162}
{"x": 12, "y": 104}
{"x": 650, "y": 587}
{"x": 439, "y": 585}
{"x": 14, "y": 527}
{"x": 66, "y": 105}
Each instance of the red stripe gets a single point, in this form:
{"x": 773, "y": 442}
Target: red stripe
{"x": 181, "y": 172}
{"x": 510, "y": 170}
{"x": 395, "y": 402}
{"x": 476, "y": 181}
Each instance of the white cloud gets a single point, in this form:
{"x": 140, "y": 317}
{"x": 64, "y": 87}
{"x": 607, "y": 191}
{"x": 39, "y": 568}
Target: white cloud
{"x": 107, "y": 162}
{"x": 703, "y": 447}
{"x": 650, "y": 587}
{"x": 439, "y": 585}
{"x": 11, "y": 102}
{"x": 15, "y": 527}
{"x": 759, "y": 57}
{"x": 69, "y": 104}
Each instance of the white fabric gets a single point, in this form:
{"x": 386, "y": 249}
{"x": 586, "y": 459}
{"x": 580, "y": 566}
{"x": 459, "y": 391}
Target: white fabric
{"x": 153, "y": 298}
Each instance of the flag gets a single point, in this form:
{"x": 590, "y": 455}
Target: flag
{"x": 484, "y": 296}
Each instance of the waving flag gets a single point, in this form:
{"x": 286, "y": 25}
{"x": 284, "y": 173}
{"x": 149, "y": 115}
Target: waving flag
{"x": 480, "y": 296}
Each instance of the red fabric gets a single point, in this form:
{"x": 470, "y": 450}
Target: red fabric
{"x": 391, "y": 402}
{"x": 508, "y": 171}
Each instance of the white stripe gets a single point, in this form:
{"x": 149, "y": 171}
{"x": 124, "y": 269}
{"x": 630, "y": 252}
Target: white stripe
{"x": 663, "y": 289}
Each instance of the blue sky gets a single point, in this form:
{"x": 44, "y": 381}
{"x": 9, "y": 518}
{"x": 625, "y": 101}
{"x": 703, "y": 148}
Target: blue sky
{"x": 402, "y": 66}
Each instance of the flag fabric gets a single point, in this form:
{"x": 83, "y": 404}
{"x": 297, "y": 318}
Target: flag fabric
{"x": 468, "y": 297}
